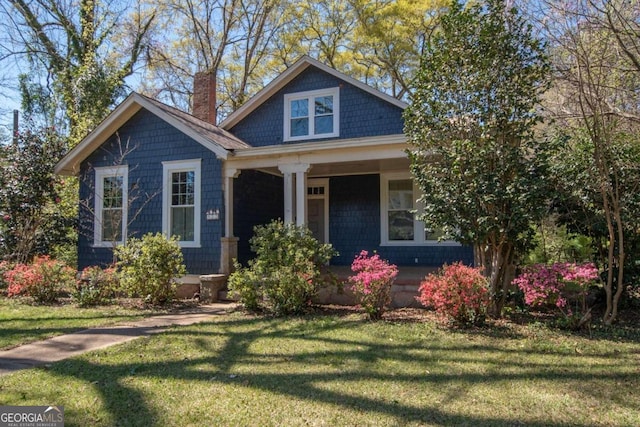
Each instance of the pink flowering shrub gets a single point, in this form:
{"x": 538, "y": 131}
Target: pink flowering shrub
{"x": 372, "y": 283}
{"x": 458, "y": 293}
{"x": 42, "y": 280}
{"x": 554, "y": 285}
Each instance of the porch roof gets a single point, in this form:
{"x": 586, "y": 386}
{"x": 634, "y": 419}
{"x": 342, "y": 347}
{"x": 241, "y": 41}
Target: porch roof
{"x": 336, "y": 157}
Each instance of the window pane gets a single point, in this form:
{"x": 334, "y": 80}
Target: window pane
{"x": 182, "y": 223}
{"x": 433, "y": 234}
{"x": 299, "y": 127}
{"x": 112, "y": 192}
{"x": 299, "y": 108}
{"x": 182, "y": 188}
{"x": 324, "y": 105}
{"x": 401, "y": 194}
{"x": 400, "y": 225}
{"x": 324, "y": 124}
{"x": 112, "y": 225}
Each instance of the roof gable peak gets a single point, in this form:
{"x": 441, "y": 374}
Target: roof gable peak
{"x": 291, "y": 73}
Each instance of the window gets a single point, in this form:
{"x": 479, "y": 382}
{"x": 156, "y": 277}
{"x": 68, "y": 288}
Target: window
{"x": 313, "y": 114}
{"x": 399, "y": 207}
{"x": 110, "y": 206}
{"x": 181, "y": 201}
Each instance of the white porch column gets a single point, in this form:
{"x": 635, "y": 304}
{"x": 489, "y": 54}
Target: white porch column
{"x": 300, "y": 170}
{"x": 229, "y": 176}
{"x": 301, "y": 200}
{"x": 229, "y": 243}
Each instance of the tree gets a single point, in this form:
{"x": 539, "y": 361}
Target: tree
{"x": 230, "y": 38}
{"x": 595, "y": 105}
{"x": 85, "y": 49}
{"x": 471, "y": 125}
{"x": 390, "y": 37}
{"x": 30, "y": 222}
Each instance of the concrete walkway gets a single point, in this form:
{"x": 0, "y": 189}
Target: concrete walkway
{"x": 65, "y": 346}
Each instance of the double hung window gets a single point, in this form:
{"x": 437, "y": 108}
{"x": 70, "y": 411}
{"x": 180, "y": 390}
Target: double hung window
{"x": 313, "y": 114}
{"x": 181, "y": 201}
{"x": 110, "y": 205}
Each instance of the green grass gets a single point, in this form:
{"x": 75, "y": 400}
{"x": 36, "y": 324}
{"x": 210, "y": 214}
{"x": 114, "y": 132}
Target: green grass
{"x": 342, "y": 370}
{"x": 21, "y": 323}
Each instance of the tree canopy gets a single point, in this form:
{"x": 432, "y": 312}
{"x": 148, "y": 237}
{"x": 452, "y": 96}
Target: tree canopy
{"x": 471, "y": 124}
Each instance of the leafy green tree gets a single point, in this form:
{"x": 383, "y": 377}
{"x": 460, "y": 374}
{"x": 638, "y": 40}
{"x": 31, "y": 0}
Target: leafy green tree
{"x": 30, "y": 222}
{"x": 85, "y": 49}
{"x": 471, "y": 125}
{"x": 596, "y": 106}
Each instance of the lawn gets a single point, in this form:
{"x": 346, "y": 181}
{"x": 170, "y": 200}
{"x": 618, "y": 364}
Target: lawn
{"x": 22, "y": 323}
{"x": 340, "y": 369}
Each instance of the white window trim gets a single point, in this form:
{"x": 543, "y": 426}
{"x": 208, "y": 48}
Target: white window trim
{"x": 100, "y": 174}
{"x": 169, "y": 168}
{"x": 335, "y": 92}
{"x": 418, "y": 226}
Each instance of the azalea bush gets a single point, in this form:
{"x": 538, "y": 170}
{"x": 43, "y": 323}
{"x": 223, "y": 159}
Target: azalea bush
{"x": 372, "y": 283}
{"x": 148, "y": 267}
{"x": 561, "y": 286}
{"x": 286, "y": 272}
{"x": 95, "y": 286}
{"x": 43, "y": 279}
{"x": 458, "y": 293}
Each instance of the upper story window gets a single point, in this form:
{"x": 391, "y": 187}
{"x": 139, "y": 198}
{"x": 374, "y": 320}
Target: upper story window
{"x": 111, "y": 204}
{"x": 313, "y": 114}
{"x": 398, "y": 210}
{"x": 181, "y": 201}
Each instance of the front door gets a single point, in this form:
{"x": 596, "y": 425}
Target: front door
{"x": 318, "y": 208}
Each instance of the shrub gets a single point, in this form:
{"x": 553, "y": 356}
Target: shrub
{"x": 246, "y": 285}
{"x": 148, "y": 267}
{"x": 372, "y": 283}
{"x": 95, "y": 286}
{"x": 285, "y": 273}
{"x": 43, "y": 279}
{"x": 556, "y": 286}
{"x": 458, "y": 293}
{"x": 4, "y": 267}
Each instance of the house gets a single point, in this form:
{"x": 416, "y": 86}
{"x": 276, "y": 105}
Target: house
{"x": 314, "y": 147}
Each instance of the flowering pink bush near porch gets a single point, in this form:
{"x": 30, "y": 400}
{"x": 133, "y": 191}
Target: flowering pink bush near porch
{"x": 372, "y": 283}
{"x": 458, "y": 292}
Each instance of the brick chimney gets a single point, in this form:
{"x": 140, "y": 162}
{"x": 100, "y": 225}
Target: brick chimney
{"x": 204, "y": 96}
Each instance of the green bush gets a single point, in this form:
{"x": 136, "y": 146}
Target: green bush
{"x": 148, "y": 267}
{"x": 95, "y": 286}
{"x": 285, "y": 274}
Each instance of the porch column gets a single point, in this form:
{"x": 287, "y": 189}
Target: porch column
{"x": 229, "y": 243}
{"x": 300, "y": 170}
{"x": 301, "y": 201}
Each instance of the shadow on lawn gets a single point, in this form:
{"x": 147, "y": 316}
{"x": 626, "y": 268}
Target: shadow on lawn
{"x": 128, "y": 406}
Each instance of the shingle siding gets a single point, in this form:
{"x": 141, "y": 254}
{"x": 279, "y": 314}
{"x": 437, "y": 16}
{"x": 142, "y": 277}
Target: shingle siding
{"x": 354, "y": 225}
{"x": 152, "y": 141}
{"x": 258, "y": 199}
{"x": 361, "y": 114}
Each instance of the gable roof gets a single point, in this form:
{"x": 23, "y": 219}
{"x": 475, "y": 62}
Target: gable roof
{"x": 291, "y": 73}
{"x": 216, "y": 139}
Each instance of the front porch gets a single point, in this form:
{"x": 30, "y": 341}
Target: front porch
{"x": 403, "y": 291}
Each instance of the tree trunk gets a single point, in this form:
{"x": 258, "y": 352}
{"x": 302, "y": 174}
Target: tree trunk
{"x": 497, "y": 262}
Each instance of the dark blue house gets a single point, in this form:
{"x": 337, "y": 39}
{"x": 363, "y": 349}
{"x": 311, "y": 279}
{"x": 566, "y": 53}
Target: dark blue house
{"x": 314, "y": 147}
